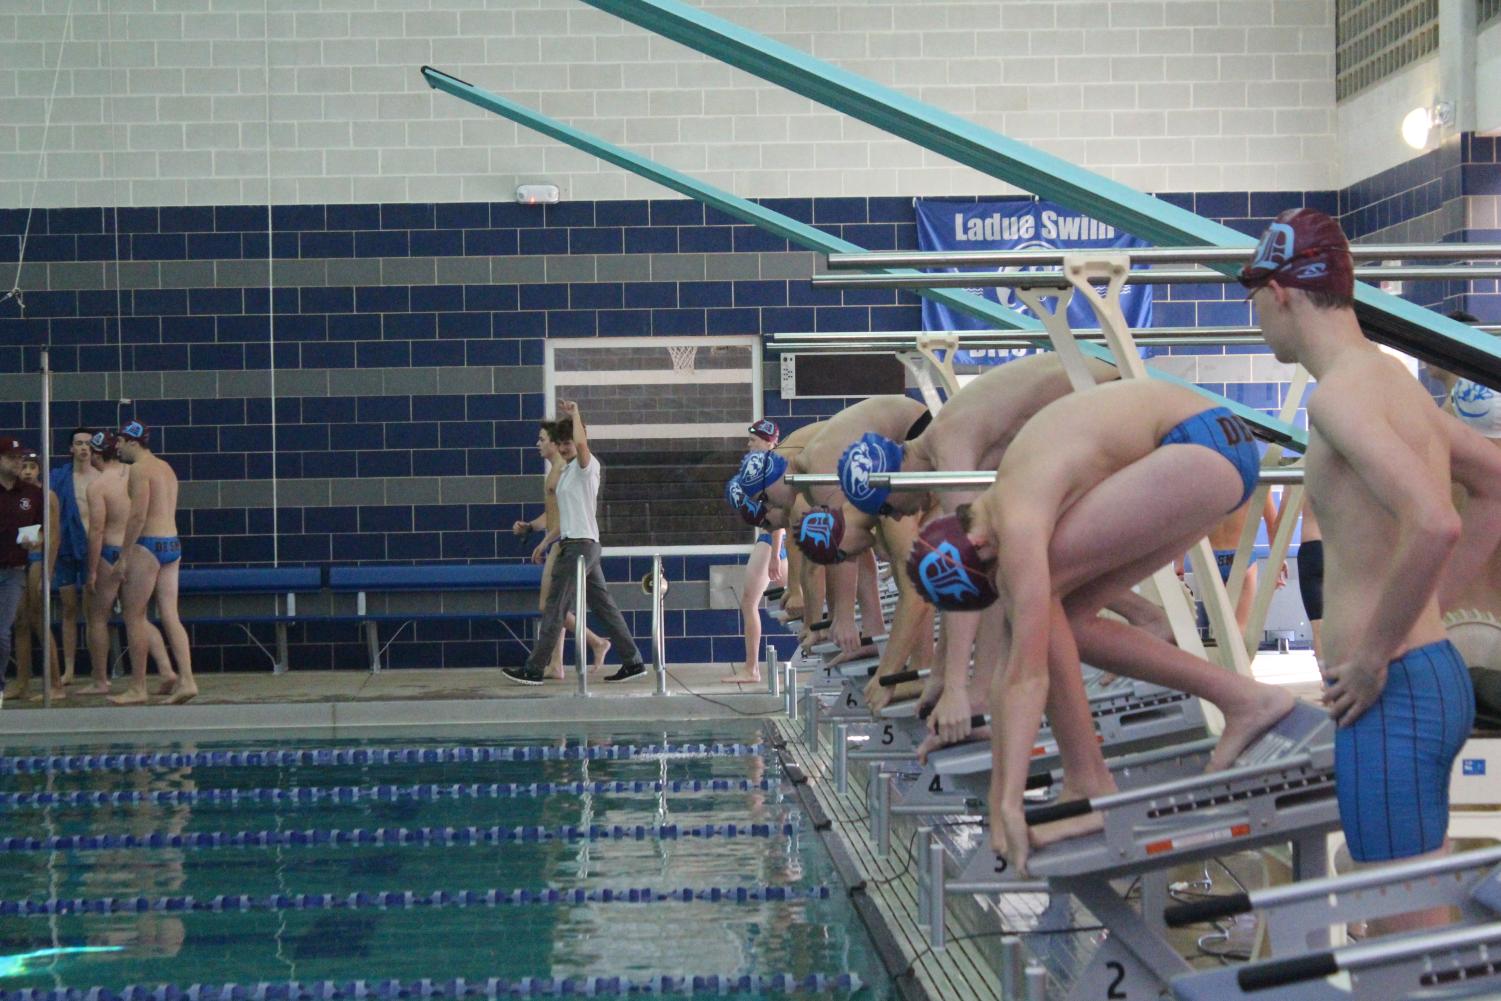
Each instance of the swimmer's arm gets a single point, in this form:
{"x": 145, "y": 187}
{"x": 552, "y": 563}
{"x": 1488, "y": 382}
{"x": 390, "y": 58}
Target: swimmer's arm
{"x": 139, "y": 485}
{"x": 1427, "y": 525}
{"x": 1019, "y": 688}
{"x": 842, "y": 581}
{"x": 98, "y": 514}
{"x": 1475, "y": 465}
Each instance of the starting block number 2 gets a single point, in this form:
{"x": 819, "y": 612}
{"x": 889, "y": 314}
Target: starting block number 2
{"x": 1473, "y": 766}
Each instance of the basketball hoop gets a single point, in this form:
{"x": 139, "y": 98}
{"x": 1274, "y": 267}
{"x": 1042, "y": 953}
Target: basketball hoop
{"x": 682, "y": 356}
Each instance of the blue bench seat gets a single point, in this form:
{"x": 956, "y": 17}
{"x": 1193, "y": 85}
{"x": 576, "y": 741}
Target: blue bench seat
{"x": 443, "y": 577}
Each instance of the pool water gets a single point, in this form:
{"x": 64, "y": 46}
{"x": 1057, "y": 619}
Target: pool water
{"x": 515, "y": 938}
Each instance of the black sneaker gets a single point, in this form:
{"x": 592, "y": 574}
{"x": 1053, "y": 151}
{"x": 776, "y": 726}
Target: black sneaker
{"x": 627, "y": 672}
{"x": 521, "y": 676}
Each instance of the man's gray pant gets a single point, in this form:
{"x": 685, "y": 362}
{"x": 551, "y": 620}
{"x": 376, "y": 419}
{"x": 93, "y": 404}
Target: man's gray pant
{"x": 12, "y": 587}
{"x": 560, "y": 603}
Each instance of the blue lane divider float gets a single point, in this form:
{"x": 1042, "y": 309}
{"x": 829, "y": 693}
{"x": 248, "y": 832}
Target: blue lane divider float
{"x": 71, "y": 763}
{"x": 456, "y": 989}
{"x": 377, "y": 793}
{"x": 403, "y": 900}
{"x": 385, "y": 836}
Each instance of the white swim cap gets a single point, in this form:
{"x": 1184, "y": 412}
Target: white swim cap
{"x": 1478, "y": 406}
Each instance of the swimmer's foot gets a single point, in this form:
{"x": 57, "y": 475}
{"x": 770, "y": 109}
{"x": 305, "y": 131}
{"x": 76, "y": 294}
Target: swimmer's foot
{"x": 556, "y": 672}
{"x": 1244, "y": 726}
{"x": 183, "y": 695}
{"x": 18, "y": 692}
{"x": 67, "y": 678}
{"x": 58, "y": 693}
{"x": 168, "y": 685}
{"x": 744, "y": 676}
{"x": 932, "y": 742}
{"x": 1061, "y": 830}
{"x": 598, "y": 648}
{"x": 1043, "y": 835}
{"x": 130, "y": 697}
{"x": 97, "y": 688}
{"x": 860, "y": 653}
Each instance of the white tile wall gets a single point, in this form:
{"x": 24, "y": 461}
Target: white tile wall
{"x": 165, "y": 100}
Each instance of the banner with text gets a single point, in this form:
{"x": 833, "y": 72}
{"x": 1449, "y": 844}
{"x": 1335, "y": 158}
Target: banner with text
{"x": 1018, "y": 225}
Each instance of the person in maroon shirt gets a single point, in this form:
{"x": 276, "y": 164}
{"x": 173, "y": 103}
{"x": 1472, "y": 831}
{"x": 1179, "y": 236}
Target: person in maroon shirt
{"x": 20, "y": 506}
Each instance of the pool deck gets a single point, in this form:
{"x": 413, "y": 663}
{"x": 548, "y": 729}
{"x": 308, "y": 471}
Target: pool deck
{"x": 340, "y": 699}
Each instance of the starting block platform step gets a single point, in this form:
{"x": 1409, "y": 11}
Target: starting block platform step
{"x": 1280, "y": 789}
{"x": 1459, "y": 962}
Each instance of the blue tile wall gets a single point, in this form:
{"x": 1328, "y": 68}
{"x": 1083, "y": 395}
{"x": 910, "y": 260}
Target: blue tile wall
{"x": 174, "y": 330}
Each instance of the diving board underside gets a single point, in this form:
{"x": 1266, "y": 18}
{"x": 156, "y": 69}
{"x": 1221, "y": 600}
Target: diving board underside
{"x": 812, "y": 238}
{"x": 1419, "y": 332}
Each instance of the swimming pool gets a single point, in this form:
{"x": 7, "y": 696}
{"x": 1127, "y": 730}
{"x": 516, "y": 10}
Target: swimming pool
{"x": 406, "y": 860}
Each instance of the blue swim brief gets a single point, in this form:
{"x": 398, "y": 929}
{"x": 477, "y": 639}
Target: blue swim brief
{"x": 69, "y": 572}
{"x": 109, "y": 554}
{"x": 1391, "y": 767}
{"x": 166, "y": 548}
{"x": 1223, "y": 432}
{"x": 764, "y": 539}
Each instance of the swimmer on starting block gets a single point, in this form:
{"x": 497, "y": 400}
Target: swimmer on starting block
{"x": 1380, "y": 462}
{"x": 972, "y": 431}
{"x": 761, "y": 475}
{"x": 762, "y": 514}
{"x": 1098, "y": 490}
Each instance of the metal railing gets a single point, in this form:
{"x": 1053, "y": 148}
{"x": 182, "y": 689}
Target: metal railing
{"x": 1060, "y": 280}
{"x": 1147, "y": 255}
{"x": 969, "y": 479}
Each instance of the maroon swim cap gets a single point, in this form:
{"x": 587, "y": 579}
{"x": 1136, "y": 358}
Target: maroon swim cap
{"x": 819, "y": 533}
{"x": 1302, "y": 248}
{"x": 947, "y": 569}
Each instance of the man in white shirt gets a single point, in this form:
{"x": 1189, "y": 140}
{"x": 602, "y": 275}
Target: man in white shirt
{"x": 578, "y": 494}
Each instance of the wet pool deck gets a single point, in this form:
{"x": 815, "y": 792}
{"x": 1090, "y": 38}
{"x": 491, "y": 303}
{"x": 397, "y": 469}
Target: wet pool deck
{"x": 340, "y": 699}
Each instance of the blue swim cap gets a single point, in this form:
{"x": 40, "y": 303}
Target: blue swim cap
{"x": 751, "y": 511}
{"x": 871, "y": 454}
{"x": 947, "y": 570}
{"x": 759, "y": 470}
{"x": 819, "y": 533}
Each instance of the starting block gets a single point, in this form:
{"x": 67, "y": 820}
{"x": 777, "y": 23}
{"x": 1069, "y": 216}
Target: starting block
{"x": 1462, "y": 961}
{"x": 1281, "y": 790}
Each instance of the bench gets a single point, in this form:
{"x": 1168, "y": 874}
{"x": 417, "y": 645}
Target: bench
{"x": 282, "y": 583}
{"x": 364, "y": 581}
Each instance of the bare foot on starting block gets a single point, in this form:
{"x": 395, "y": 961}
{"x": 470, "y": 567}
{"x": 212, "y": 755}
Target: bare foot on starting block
{"x": 1244, "y": 725}
{"x": 130, "y": 697}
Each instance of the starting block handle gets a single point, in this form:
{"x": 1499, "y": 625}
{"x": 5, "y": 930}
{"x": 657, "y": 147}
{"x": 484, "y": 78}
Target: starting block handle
{"x": 1058, "y": 811}
{"x": 901, "y": 678}
{"x": 1281, "y": 972}
{"x": 1211, "y": 909}
{"x": 817, "y": 626}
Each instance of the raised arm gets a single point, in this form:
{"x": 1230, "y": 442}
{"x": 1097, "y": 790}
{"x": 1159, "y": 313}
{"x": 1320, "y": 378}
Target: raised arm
{"x": 570, "y": 409}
